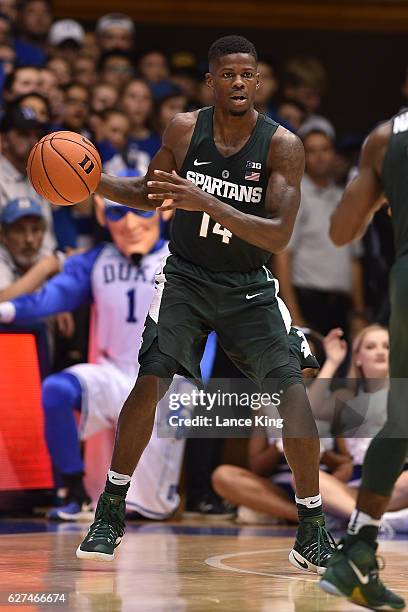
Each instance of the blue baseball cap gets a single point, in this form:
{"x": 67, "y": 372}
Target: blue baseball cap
{"x": 18, "y": 208}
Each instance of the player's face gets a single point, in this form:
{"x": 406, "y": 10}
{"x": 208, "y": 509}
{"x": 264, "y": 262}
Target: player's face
{"x": 372, "y": 356}
{"x": 23, "y": 239}
{"x": 133, "y": 233}
{"x": 234, "y": 79}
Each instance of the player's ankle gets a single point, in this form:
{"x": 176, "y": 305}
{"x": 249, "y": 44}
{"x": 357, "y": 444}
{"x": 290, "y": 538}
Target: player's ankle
{"x": 117, "y": 484}
{"x": 309, "y": 507}
{"x": 362, "y": 526}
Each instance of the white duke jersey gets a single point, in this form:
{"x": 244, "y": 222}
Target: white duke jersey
{"x": 122, "y": 296}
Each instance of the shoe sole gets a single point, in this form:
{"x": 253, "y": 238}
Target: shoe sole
{"x": 303, "y": 564}
{"x": 328, "y": 587}
{"x": 331, "y": 589}
{"x": 94, "y": 556}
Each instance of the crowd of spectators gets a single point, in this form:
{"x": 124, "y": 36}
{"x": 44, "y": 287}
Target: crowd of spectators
{"x": 55, "y": 75}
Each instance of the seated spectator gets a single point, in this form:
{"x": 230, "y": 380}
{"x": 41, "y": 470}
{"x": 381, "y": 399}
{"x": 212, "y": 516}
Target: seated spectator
{"x": 265, "y": 491}
{"x": 137, "y": 102}
{"x": 360, "y": 409}
{"x": 85, "y": 70}
{"x": 90, "y": 47}
{"x": 320, "y": 283}
{"x": 9, "y": 8}
{"x": 65, "y": 39}
{"x": 103, "y": 96}
{"x": 20, "y": 130}
{"x": 116, "y": 68}
{"x": 22, "y": 80}
{"x": 38, "y": 103}
{"x": 22, "y": 268}
{"x": 115, "y": 32}
{"x": 292, "y": 113}
{"x": 154, "y": 67}
{"x": 62, "y": 70}
{"x": 305, "y": 80}
{"x": 34, "y": 21}
{"x": 167, "y": 107}
{"x": 76, "y": 109}
{"x": 267, "y": 89}
{"x": 114, "y": 133}
{"x": 119, "y": 279}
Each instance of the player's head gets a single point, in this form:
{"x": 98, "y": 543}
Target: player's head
{"x": 233, "y": 75}
{"x": 22, "y": 230}
{"x": 370, "y": 353}
{"x": 133, "y": 231}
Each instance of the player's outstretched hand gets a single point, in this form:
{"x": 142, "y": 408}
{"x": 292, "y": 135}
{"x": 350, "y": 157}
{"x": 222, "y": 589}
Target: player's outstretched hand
{"x": 182, "y": 193}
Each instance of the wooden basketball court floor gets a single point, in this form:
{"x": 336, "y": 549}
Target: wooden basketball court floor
{"x": 170, "y": 567}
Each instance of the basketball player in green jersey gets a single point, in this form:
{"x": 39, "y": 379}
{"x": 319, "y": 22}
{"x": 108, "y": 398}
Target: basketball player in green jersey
{"x": 353, "y": 569}
{"x": 233, "y": 177}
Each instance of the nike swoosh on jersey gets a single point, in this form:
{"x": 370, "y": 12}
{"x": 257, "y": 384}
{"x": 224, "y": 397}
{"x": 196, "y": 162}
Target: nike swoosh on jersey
{"x": 249, "y": 297}
{"x": 363, "y": 578}
{"x": 198, "y": 163}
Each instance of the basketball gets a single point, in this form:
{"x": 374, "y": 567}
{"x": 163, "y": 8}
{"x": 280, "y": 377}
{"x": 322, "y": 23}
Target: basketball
{"x": 64, "y": 168}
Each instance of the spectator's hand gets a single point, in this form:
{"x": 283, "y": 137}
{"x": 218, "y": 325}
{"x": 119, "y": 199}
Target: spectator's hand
{"x": 66, "y": 324}
{"x": 335, "y": 347}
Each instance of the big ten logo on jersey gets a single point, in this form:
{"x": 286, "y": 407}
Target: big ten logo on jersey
{"x": 400, "y": 123}
{"x": 125, "y": 271}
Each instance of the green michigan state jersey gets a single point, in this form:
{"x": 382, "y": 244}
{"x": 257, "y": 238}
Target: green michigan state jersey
{"x": 395, "y": 180}
{"x": 239, "y": 180}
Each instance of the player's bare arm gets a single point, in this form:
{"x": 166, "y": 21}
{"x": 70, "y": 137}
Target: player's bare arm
{"x": 364, "y": 195}
{"x": 133, "y": 191}
{"x": 286, "y": 162}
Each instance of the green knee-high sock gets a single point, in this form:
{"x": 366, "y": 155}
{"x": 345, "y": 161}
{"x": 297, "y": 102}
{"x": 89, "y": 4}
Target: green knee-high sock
{"x": 383, "y": 463}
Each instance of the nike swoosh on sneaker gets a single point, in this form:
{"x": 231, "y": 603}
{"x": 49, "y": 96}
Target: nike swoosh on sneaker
{"x": 363, "y": 578}
{"x": 301, "y": 563}
{"x": 249, "y": 297}
{"x": 198, "y": 163}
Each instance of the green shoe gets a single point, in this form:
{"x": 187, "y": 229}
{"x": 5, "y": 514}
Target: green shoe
{"x": 106, "y": 531}
{"x": 353, "y": 573}
{"x": 313, "y": 546}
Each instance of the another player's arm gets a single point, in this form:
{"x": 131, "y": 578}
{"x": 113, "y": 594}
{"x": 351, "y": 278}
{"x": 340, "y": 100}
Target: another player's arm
{"x": 364, "y": 195}
{"x": 286, "y": 160}
{"x": 133, "y": 191}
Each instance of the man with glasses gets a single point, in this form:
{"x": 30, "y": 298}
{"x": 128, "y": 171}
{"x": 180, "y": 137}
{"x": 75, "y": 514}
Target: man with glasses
{"x": 118, "y": 279}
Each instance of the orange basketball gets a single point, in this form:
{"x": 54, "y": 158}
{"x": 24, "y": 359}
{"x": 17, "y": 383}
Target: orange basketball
{"x": 64, "y": 168}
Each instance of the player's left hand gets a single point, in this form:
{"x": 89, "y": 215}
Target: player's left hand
{"x": 182, "y": 193}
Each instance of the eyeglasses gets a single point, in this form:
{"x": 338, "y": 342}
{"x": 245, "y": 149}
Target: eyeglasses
{"x": 115, "y": 213}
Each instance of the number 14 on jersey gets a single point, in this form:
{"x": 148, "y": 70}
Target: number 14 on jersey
{"x": 217, "y": 229}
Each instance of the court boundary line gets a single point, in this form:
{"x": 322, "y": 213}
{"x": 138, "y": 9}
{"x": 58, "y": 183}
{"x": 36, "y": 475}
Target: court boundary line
{"x": 217, "y": 563}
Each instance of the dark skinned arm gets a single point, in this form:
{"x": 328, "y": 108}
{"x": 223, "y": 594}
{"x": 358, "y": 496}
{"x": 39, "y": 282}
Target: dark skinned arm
{"x": 286, "y": 159}
{"x": 364, "y": 195}
{"x": 133, "y": 191}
